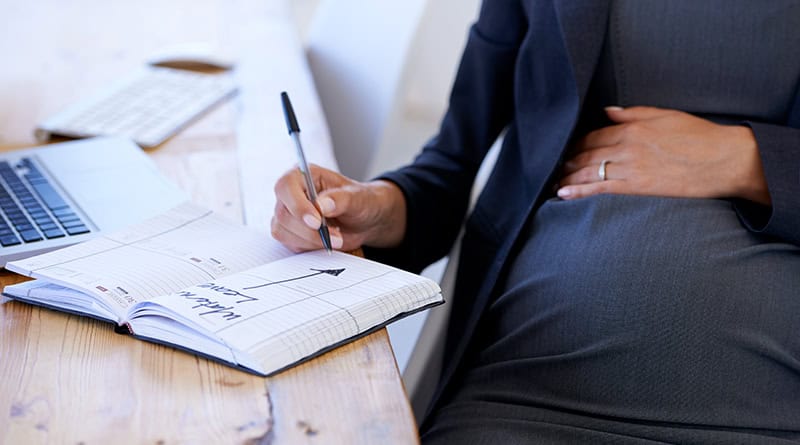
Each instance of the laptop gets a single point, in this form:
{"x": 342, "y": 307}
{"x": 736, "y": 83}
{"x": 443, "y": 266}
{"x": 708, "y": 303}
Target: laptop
{"x": 61, "y": 194}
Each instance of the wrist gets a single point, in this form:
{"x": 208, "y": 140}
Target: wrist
{"x": 389, "y": 221}
{"x": 752, "y": 183}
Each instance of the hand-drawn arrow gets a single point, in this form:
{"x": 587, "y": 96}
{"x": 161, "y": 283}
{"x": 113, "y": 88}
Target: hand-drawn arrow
{"x": 334, "y": 272}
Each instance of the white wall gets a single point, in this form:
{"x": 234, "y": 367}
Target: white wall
{"x": 303, "y": 12}
{"x": 435, "y": 53}
{"x": 430, "y": 68}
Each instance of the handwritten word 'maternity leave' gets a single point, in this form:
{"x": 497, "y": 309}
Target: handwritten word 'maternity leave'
{"x": 226, "y": 312}
{"x": 215, "y": 307}
{"x": 227, "y": 291}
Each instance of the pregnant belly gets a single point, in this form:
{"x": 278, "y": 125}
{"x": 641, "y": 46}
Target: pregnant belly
{"x": 650, "y": 308}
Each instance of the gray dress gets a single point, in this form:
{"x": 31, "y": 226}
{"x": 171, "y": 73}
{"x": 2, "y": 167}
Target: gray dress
{"x": 634, "y": 319}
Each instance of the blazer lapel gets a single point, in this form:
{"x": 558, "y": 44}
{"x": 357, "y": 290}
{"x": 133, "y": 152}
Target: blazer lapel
{"x": 583, "y": 27}
{"x": 583, "y": 24}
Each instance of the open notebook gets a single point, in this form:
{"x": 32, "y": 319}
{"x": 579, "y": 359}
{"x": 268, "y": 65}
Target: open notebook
{"x": 191, "y": 279}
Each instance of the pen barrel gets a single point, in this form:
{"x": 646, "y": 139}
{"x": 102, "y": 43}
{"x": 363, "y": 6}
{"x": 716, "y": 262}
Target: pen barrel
{"x": 310, "y": 189}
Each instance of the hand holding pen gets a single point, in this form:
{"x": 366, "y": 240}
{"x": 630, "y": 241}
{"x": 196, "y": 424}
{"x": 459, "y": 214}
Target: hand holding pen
{"x": 357, "y": 213}
{"x": 294, "y": 132}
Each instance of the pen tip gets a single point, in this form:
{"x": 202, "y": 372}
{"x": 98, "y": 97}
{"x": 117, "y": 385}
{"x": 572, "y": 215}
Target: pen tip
{"x": 326, "y": 238}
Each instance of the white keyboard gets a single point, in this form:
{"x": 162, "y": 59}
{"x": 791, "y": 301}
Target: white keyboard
{"x": 148, "y": 107}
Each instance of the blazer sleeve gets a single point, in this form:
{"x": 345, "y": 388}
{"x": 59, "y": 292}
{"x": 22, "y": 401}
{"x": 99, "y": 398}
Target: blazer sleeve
{"x": 438, "y": 183}
{"x": 779, "y": 147}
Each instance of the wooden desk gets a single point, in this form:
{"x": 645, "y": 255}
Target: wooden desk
{"x": 68, "y": 379}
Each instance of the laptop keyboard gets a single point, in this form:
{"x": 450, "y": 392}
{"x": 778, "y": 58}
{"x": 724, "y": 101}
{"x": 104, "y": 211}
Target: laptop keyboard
{"x": 32, "y": 208}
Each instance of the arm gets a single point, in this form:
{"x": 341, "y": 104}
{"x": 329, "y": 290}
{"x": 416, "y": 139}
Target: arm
{"x": 437, "y": 185}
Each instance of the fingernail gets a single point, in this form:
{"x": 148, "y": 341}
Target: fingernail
{"x": 564, "y": 192}
{"x": 326, "y": 205}
{"x": 311, "y": 221}
{"x": 614, "y": 108}
{"x": 337, "y": 242}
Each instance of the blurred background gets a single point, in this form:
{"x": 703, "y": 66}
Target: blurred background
{"x": 437, "y": 38}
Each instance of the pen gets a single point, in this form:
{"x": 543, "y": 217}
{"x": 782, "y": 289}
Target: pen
{"x": 294, "y": 132}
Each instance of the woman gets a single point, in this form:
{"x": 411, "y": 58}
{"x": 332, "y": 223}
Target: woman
{"x": 631, "y": 271}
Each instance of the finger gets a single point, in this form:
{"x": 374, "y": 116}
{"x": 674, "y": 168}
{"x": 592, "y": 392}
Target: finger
{"x": 299, "y": 227}
{"x": 593, "y": 173}
{"x": 592, "y": 158}
{"x": 298, "y": 243}
{"x": 334, "y": 191}
{"x": 287, "y": 229}
{"x": 337, "y": 239}
{"x": 302, "y": 242}
{"x": 614, "y": 134}
{"x": 290, "y": 191}
{"x": 591, "y": 189}
{"x": 346, "y": 241}
{"x": 293, "y": 241}
{"x": 337, "y": 202}
{"x": 585, "y": 175}
{"x": 624, "y": 115}
{"x": 603, "y": 137}
{"x": 326, "y": 179}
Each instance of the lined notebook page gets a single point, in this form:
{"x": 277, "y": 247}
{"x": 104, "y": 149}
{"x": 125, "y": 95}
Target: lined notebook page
{"x": 182, "y": 247}
{"x": 282, "y": 312}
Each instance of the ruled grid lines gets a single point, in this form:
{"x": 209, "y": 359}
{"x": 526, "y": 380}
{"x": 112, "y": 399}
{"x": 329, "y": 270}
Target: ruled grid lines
{"x": 121, "y": 244}
{"x": 308, "y": 296}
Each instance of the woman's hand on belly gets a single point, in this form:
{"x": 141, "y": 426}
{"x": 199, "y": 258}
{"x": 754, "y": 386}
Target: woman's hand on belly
{"x": 654, "y": 151}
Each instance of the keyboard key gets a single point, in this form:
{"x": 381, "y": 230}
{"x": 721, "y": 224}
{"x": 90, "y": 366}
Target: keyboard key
{"x": 77, "y": 230}
{"x": 68, "y": 218}
{"x": 24, "y": 226}
{"x": 49, "y": 195}
{"x": 44, "y": 221}
{"x": 30, "y": 236}
{"x": 19, "y": 221}
{"x": 9, "y": 240}
{"x": 64, "y": 212}
{"x": 73, "y": 223}
{"x": 53, "y": 233}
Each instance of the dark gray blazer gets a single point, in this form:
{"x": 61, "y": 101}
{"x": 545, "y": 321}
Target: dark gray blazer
{"x": 526, "y": 67}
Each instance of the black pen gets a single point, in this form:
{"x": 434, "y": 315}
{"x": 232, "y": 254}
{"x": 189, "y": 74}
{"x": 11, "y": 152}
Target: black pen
{"x": 294, "y": 132}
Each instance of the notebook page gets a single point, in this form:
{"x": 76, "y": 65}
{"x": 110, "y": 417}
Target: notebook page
{"x": 182, "y": 247}
{"x": 282, "y": 312}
